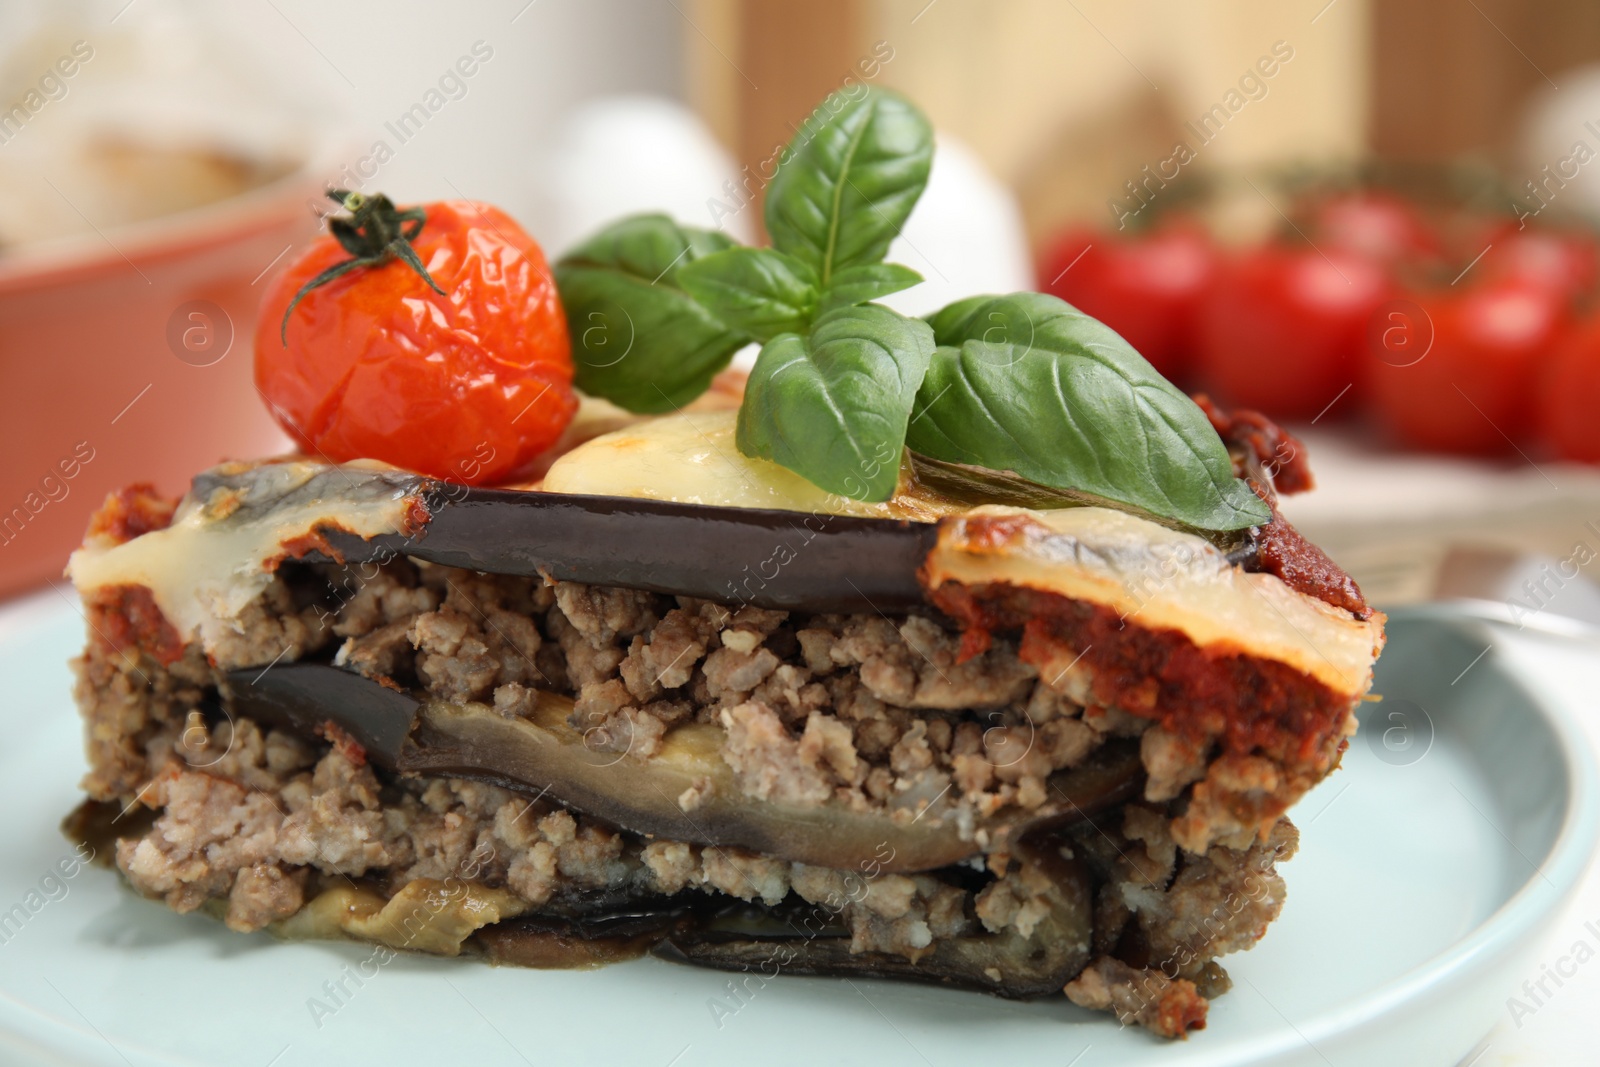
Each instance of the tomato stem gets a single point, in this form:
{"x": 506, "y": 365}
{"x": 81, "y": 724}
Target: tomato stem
{"x": 373, "y": 233}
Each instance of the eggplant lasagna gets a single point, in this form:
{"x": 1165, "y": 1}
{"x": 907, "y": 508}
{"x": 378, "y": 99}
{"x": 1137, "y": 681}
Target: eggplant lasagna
{"x": 675, "y": 701}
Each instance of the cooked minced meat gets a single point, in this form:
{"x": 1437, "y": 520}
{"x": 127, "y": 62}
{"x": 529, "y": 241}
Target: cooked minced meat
{"x": 247, "y": 817}
{"x": 1171, "y": 910}
{"x": 1136, "y": 996}
{"x": 259, "y": 825}
{"x": 817, "y": 708}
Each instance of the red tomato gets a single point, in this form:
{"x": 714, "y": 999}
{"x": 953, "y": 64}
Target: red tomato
{"x": 1569, "y": 402}
{"x": 1148, "y": 288}
{"x": 1563, "y": 261}
{"x": 469, "y": 386}
{"x": 1282, "y": 328}
{"x": 1472, "y": 389}
{"x": 1374, "y": 224}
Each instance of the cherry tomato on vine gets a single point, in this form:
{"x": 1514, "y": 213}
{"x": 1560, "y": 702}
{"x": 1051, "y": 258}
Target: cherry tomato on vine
{"x": 1472, "y": 389}
{"x": 431, "y": 338}
{"x": 1565, "y": 262}
{"x": 1569, "y": 400}
{"x": 1282, "y": 328}
{"x": 1147, "y": 287}
{"x": 1375, "y": 224}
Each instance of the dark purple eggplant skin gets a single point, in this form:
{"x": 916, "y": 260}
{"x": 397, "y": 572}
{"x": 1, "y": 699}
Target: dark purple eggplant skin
{"x": 403, "y": 735}
{"x": 804, "y": 941}
{"x": 302, "y": 697}
{"x": 769, "y": 558}
{"x": 545, "y": 941}
{"x": 797, "y": 938}
{"x": 786, "y": 560}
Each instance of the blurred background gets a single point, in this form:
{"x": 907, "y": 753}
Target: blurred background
{"x": 1369, "y": 218}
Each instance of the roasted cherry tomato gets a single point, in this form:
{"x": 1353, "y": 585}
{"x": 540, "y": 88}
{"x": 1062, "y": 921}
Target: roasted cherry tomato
{"x": 1282, "y": 328}
{"x": 1468, "y": 383}
{"x": 453, "y": 362}
{"x": 1566, "y": 262}
{"x": 1569, "y": 402}
{"x": 1148, "y": 288}
{"x": 1374, "y": 224}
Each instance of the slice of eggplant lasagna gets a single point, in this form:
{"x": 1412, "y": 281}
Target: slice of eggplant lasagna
{"x": 677, "y": 701}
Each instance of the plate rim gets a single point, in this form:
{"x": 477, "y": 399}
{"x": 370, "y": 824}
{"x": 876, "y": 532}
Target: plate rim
{"x": 1568, "y": 860}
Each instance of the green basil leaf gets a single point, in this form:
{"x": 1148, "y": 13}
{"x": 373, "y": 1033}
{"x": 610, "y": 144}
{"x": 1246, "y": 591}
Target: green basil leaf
{"x": 848, "y": 180}
{"x": 759, "y": 291}
{"x": 955, "y": 320}
{"x": 1029, "y": 384}
{"x": 832, "y": 405}
{"x": 638, "y": 339}
{"x": 858, "y": 285}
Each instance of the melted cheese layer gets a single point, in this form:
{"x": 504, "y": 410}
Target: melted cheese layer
{"x": 1161, "y": 578}
{"x": 214, "y": 558}
{"x": 693, "y": 458}
{"x": 1146, "y": 572}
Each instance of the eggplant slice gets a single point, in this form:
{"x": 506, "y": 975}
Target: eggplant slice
{"x": 546, "y": 756}
{"x": 794, "y": 937}
{"x": 787, "y": 560}
{"x": 766, "y": 557}
{"x": 557, "y": 942}
{"x": 773, "y": 941}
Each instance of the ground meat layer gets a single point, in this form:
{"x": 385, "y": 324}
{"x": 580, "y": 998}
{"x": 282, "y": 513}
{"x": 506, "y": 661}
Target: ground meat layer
{"x": 862, "y": 711}
{"x": 260, "y": 825}
{"x": 1243, "y": 738}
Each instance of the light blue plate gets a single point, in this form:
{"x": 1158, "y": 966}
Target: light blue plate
{"x": 1430, "y": 867}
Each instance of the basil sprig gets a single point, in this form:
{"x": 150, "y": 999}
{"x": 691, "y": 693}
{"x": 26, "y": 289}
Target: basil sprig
{"x": 1028, "y": 383}
{"x": 832, "y": 387}
{"x": 853, "y": 174}
{"x": 638, "y": 339}
{"x": 1022, "y": 383}
{"x": 859, "y": 284}
{"x": 833, "y": 404}
{"x": 760, "y": 291}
